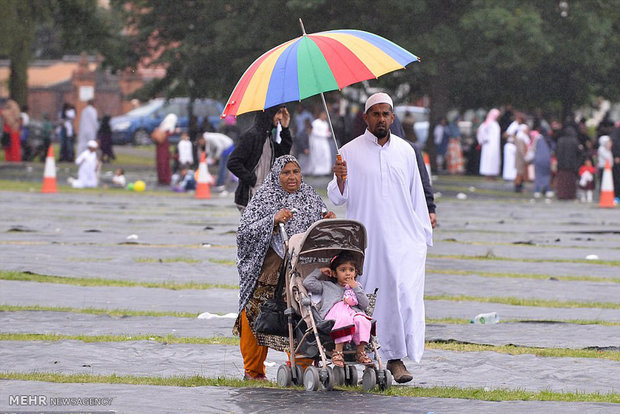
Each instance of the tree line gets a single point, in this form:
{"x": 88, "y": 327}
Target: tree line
{"x": 552, "y": 55}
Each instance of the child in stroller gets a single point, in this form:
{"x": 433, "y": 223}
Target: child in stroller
{"x": 343, "y": 301}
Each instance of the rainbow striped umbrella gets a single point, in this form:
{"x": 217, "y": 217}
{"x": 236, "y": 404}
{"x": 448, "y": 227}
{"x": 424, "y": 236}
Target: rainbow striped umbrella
{"x": 313, "y": 64}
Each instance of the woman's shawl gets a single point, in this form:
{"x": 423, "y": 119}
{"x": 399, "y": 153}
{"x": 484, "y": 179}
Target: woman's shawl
{"x": 256, "y": 228}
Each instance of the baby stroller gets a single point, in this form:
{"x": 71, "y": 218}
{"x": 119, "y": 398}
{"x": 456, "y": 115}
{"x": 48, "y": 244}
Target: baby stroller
{"x": 311, "y": 337}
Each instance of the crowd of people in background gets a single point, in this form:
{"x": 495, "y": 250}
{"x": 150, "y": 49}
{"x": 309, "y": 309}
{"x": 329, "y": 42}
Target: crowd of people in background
{"x": 562, "y": 159}
{"x": 565, "y": 159}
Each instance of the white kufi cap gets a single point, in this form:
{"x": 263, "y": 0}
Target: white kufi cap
{"x": 378, "y": 98}
{"x": 92, "y": 144}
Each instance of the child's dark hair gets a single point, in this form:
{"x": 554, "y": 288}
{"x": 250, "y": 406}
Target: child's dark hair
{"x": 344, "y": 257}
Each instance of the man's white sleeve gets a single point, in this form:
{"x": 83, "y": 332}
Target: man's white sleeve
{"x": 333, "y": 192}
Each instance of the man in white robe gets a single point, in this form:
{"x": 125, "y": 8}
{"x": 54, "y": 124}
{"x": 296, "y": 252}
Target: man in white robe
{"x": 88, "y": 161}
{"x": 320, "y": 149}
{"x": 383, "y": 190}
{"x": 488, "y": 136}
{"x": 88, "y": 126}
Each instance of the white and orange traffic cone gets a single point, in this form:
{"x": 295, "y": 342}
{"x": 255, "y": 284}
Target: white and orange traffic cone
{"x": 49, "y": 173}
{"x": 203, "y": 182}
{"x": 607, "y": 188}
{"x": 427, "y": 164}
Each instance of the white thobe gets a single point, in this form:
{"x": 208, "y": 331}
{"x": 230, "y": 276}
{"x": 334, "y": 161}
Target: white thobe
{"x": 186, "y": 156}
{"x": 87, "y": 173}
{"x": 88, "y": 128}
{"x": 383, "y": 190}
{"x": 510, "y": 170}
{"x": 489, "y": 138}
{"x": 320, "y": 150}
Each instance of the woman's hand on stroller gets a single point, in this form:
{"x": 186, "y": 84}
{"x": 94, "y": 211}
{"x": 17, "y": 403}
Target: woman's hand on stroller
{"x": 282, "y": 216}
{"x": 329, "y": 215}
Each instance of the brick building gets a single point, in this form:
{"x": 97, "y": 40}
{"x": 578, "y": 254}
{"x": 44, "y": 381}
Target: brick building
{"x": 76, "y": 79}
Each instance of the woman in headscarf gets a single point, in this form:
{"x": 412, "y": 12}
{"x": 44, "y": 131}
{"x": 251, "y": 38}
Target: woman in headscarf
{"x": 104, "y": 135}
{"x": 162, "y": 150}
{"x": 543, "y": 149}
{"x": 488, "y": 136}
{"x": 260, "y": 252}
{"x": 256, "y": 150}
{"x": 12, "y": 122}
{"x": 522, "y": 141}
{"x": 569, "y": 159}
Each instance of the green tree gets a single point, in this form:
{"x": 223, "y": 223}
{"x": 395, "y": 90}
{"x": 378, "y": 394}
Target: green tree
{"x": 80, "y": 24}
{"x": 475, "y": 53}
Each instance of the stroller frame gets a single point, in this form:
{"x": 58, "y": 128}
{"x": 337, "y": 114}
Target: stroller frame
{"x": 322, "y": 240}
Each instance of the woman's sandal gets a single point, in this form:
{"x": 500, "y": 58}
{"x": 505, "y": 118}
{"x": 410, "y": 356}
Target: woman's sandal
{"x": 362, "y": 358}
{"x": 338, "y": 359}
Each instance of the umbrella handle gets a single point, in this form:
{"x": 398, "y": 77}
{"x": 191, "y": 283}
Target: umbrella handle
{"x": 339, "y": 158}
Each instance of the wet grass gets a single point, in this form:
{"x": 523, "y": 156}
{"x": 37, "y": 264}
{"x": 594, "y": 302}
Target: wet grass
{"x": 88, "y": 259}
{"x": 450, "y": 345}
{"x": 509, "y": 300}
{"x": 121, "y": 313}
{"x": 528, "y": 244}
{"x": 457, "y": 346}
{"x": 483, "y": 394}
{"x": 521, "y": 275}
{"x": 491, "y": 256}
{"x": 87, "y": 281}
{"x": 93, "y": 311}
{"x": 486, "y": 394}
{"x": 223, "y": 262}
{"x": 166, "y": 260}
{"x": 35, "y": 186}
{"x": 168, "y": 339}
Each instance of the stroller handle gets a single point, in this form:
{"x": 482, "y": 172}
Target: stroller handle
{"x": 283, "y": 232}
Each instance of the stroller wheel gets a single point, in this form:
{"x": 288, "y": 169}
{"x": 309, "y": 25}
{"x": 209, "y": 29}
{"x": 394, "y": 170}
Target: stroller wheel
{"x": 353, "y": 378}
{"x": 299, "y": 380}
{"x": 339, "y": 375}
{"x": 327, "y": 378}
{"x": 369, "y": 379}
{"x": 284, "y": 376}
{"x": 384, "y": 379}
{"x": 311, "y": 379}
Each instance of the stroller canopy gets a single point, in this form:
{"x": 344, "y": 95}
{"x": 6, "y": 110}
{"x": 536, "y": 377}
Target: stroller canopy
{"x": 326, "y": 238}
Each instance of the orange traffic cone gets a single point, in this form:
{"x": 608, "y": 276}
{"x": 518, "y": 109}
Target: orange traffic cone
{"x": 607, "y": 188}
{"x": 203, "y": 187}
{"x": 427, "y": 164}
{"x": 49, "y": 173}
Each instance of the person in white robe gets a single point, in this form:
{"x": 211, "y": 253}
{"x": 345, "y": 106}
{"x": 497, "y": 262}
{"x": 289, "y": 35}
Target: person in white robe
{"x": 185, "y": 149}
{"x": 320, "y": 149}
{"x": 380, "y": 183}
{"x": 88, "y": 127}
{"x": 488, "y": 136}
{"x": 88, "y": 161}
{"x": 509, "y": 172}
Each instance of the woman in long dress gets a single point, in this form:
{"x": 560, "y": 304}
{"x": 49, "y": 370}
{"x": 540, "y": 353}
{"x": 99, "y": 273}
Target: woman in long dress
{"x": 260, "y": 252}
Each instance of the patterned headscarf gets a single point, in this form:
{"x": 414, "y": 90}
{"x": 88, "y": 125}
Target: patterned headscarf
{"x": 255, "y": 231}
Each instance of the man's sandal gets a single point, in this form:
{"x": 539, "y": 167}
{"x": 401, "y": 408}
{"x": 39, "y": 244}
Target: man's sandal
{"x": 338, "y": 359}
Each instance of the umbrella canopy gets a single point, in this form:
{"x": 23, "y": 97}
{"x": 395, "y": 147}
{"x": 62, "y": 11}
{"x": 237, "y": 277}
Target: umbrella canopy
{"x": 313, "y": 64}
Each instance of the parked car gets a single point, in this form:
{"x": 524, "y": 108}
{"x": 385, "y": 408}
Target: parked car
{"x": 420, "y": 115}
{"x": 135, "y": 126}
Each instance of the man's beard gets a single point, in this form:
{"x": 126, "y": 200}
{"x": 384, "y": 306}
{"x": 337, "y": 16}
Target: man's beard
{"x": 381, "y": 133}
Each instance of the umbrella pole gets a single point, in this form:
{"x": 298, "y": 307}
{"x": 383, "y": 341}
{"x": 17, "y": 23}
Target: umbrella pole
{"x": 331, "y": 127}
